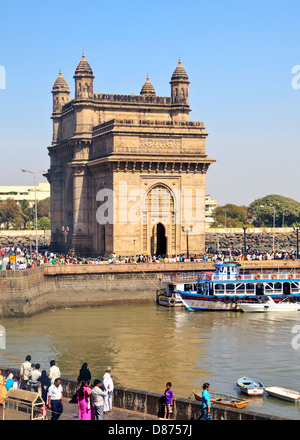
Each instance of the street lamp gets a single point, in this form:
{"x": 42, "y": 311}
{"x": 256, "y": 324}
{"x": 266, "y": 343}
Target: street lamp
{"x": 296, "y": 229}
{"x": 245, "y": 243}
{"x": 65, "y": 230}
{"x": 187, "y": 239}
{"x": 35, "y": 173}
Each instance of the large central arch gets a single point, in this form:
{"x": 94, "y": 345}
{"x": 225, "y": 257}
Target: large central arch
{"x": 159, "y": 232}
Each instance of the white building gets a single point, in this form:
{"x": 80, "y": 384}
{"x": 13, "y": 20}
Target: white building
{"x": 210, "y": 206}
{"x": 27, "y": 192}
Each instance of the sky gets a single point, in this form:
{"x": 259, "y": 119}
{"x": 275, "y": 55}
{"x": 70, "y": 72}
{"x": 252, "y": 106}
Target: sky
{"x": 238, "y": 54}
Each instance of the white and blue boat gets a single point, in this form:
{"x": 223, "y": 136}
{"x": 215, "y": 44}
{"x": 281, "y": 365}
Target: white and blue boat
{"x": 225, "y": 288}
{"x": 250, "y": 386}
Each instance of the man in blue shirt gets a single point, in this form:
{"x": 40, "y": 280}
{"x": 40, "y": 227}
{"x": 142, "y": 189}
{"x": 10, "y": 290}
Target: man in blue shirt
{"x": 206, "y": 405}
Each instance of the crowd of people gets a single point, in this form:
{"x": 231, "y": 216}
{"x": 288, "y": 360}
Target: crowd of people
{"x": 93, "y": 400}
{"x": 25, "y": 259}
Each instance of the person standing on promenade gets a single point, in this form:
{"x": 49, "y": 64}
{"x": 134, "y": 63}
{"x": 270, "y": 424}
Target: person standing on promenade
{"x": 85, "y": 407}
{"x": 169, "y": 396}
{"x": 84, "y": 373}
{"x": 55, "y": 399}
{"x": 24, "y": 372}
{"x": 54, "y": 372}
{"x": 109, "y": 386}
{"x": 98, "y": 396}
{"x": 206, "y": 405}
{"x": 45, "y": 384}
{"x": 34, "y": 376}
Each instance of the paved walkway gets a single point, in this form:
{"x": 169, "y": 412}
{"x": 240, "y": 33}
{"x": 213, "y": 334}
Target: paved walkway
{"x": 71, "y": 413}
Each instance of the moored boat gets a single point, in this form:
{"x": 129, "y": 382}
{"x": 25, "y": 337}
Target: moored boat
{"x": 250, "y": 386}
{"x": 284, "y": 394}
{"x": 169, "y": 296}
{"x": 269, "y": 305}
{"x": 228, "y": 286}
{"x": 223, "y": 399}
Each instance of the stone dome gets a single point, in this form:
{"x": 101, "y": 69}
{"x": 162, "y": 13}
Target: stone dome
{"x": 83, "y": 68}
{"x": 179, "y": 73}
{"x": 60, "y": 84}
{"x": 148, "y": 88}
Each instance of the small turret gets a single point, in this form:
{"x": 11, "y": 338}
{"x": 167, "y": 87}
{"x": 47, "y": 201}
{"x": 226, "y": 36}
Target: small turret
{"x": 180, "y": 86}
{"x": 148, "y": 88}
{"x": 84, "y": 80}
{"x": 60, "y": 92}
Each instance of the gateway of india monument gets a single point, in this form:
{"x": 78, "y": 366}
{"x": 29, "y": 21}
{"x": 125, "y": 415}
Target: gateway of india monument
{"x": 127, "y": 172}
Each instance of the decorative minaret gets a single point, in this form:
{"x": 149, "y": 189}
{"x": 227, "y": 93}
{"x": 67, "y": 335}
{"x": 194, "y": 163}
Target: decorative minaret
{"x": 60, "y": 92}
{"x": 84, "y": 80}
{"x": 148, "y": 88}
{"x": 180, "y": 86}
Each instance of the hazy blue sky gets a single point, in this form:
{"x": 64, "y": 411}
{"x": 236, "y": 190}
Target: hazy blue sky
{"x": 239, "y": 56}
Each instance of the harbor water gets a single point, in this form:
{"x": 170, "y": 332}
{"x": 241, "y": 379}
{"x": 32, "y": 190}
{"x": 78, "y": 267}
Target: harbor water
{"x": 149, "y": 345}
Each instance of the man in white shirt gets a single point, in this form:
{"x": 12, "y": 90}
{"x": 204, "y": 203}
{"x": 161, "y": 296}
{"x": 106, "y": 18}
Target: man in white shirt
{"x": 109, "y": 386}
{"x": 54, "y": 372}
{"x": 24, "y": 372}
{"x": 56, "y": 399}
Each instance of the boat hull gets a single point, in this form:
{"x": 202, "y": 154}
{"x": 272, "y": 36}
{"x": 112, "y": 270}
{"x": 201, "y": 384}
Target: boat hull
{"x": 206, "y": 303}
{"x": 168, "y": 301}
{"x": 284, "y": 394}
{"x": 263, "y": 308}
{"x": 224, "y": 400}
{"x": 250, "y": 386}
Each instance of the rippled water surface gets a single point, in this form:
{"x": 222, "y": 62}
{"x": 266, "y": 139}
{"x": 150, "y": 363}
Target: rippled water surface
{"x": 148, "y": 345}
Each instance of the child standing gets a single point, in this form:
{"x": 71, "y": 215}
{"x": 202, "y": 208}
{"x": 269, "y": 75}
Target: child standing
{"x": 169, "y": 396}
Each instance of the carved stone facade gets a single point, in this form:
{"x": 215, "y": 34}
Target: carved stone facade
{"x": 127, "y": 172}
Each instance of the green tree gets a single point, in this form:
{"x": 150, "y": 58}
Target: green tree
{"x": 287, "y": 211}
{"x": 9, "y": 211}
{"x": 43, "y": 208}
{"x": 26, "y": 213}
{"x": 236, "y": 216}
{"x": 44, "y": 223}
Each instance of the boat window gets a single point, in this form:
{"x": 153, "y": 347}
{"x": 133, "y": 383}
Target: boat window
{"x": 269, "y": 286}
{"x": 277, "y": 286}
{"x": 219, "y": 288}
{"x": 171, "y": 288}
{"x": 240, "y": 287}
{"x": 295, "y": 287}
{"x": 249, "y": 286}
{"x": 229, "y": 287}
{"x": 188, "y": 287}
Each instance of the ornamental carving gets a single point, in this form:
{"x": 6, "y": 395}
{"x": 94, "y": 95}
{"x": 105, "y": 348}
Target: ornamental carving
{"x": 160, "y": 144}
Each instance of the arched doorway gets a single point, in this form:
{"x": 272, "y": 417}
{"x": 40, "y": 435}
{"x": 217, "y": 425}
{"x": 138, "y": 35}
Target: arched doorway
{"x": 159, "y": 222}
{"x": 161, "y": 239}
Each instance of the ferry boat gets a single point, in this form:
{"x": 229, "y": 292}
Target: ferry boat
{"x": 227, "y": 287}
{"x": 169, "y": 296}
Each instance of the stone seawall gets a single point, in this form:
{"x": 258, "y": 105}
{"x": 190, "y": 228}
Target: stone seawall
{"x": 256, "y": 238}
{"x": 24, "y": 293}
{"x": 151, "y": 404}
{"x": 24, "y": 238}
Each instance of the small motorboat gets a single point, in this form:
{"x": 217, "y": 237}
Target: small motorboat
{"x": 267, "y": 304}
{"x": 284, "y": 394}
{"x": 250, "y": 386}
{"x": 223, "y": 399}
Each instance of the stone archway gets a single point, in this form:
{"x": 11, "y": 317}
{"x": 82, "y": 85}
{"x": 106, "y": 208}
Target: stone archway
{"x": 159, "y": 233}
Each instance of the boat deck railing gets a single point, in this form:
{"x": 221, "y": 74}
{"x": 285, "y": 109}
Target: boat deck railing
{"x": 251, "y": 277}
{"x": 181, "y": 278}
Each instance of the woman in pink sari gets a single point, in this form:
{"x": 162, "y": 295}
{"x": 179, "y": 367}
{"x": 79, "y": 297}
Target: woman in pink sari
{"x": 85, "y": 406}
